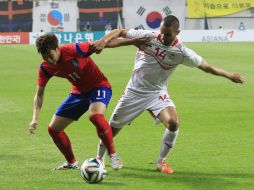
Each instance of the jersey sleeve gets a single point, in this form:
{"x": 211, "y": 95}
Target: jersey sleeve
{"x": 132, "y": 33}
{"x": 83, "y": 49}
{"x": 77, "y": 49}
{"x": 191, "y": 58}
{"x": 43, "y": 76}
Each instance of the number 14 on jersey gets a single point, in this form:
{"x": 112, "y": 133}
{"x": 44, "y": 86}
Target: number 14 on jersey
{"x": 160, "y": 53}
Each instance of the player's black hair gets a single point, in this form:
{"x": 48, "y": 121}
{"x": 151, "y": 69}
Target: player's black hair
{"x": 171, "y": 20}
{"x": 46, "y": 42}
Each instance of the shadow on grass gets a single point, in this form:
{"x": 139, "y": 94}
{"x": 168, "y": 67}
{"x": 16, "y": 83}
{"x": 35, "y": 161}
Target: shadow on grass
{"x": 195, "y": 180}
{"x": 83, "y": 183}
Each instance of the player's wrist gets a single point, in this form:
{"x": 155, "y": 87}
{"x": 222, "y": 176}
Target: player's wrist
{"x": 35, "y": 120}
{"x": 230, "y": 75}
{"x": 104, "y": 41}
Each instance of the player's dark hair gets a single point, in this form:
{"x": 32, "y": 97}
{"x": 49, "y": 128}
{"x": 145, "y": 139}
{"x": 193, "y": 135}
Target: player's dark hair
{"x": 171, "y": 20}
{"x": 46, "y": 42}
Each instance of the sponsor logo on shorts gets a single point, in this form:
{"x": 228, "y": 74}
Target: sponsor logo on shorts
{"x": 165, "y": 98}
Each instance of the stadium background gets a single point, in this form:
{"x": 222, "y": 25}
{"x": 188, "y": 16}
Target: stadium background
{"x": 214, "y": 150}
{"x": 76, "y": 20}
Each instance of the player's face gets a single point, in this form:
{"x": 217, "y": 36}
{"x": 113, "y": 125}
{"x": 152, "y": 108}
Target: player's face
{"x": 168, "y": 34}
{"x": 52, "y": 56}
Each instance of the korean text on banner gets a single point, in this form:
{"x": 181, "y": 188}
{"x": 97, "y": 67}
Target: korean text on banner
{"x": 14, "y": 38}
{"x": 216, "y": 8}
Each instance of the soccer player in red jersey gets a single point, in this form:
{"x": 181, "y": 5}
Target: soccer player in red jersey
{"x": 90, "y": 91}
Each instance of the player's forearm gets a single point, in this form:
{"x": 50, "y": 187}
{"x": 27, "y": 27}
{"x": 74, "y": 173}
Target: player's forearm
{"x": 117, "y": 42}
{"x": 113, "y": 34}
{"x": 38, "y": 100}
{"x": 214, "y": 70}
{"x": 219, "y": 72}
{"x": 234, "y": 77}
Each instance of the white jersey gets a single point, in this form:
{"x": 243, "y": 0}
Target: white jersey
{"x": 154, "y": 64}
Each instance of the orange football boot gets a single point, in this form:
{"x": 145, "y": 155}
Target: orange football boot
{"x": 164, "y": 168}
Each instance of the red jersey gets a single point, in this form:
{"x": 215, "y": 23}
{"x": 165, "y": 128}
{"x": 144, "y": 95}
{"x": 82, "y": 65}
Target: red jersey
{"x": 76, "y": 66}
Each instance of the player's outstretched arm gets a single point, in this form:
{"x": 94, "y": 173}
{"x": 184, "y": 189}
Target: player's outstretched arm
{"x": 100, "y": 44}
{"x": 114, "y": 34}
{"x": 38, "y": 100}
{"x": 234, "y": 77}
{"x": 117, "y": 42}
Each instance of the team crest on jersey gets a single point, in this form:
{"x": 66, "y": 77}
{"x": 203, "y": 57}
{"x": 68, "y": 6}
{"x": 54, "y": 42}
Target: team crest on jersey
{"x": 171, "y": 56}
{"x": 74, "y": 63}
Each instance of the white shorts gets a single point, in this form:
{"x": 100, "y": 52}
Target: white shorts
{"x": 132, "y": 104}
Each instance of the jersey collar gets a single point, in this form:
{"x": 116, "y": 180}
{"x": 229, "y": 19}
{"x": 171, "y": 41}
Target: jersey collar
{"x": 172, "y": 44}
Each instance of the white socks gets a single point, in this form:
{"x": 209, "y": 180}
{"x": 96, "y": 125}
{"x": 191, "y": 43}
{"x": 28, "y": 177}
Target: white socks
{"x": 168, "y": 141}
{"x": 101, "y": 152}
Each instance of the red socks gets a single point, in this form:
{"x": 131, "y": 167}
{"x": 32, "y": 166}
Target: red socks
{"x": 104, "y": 131}
{"x": 63, "y": 143}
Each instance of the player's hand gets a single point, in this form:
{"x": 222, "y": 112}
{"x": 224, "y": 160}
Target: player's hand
{"x": 99, "y": 46}
{"x": 236, "y": 77}
{"x": 92, "y": 47}
{"x": 142, "y": 42}
{"x": 32, "y": 127}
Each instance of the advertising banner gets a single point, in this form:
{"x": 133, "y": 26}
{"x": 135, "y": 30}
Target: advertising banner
{"x": 14, "y": 38}
{"x": 216, "y": 35}
{"x": 70, "y": 37}
{"x": 55, "y": 17}
{"x": 185, "y": 36}
{"x": 74, "y": 37}
{"x": 216, "y": 8}
{"x": 33, "y": 36}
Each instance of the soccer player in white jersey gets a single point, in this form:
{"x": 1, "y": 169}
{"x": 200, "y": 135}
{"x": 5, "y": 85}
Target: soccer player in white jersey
{"x": 147, "y": 87}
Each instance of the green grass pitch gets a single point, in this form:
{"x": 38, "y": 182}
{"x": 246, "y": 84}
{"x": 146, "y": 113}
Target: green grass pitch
{"x": 215, "y": 148}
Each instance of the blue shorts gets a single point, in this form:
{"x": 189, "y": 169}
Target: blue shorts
{"x": 75, "y": 105}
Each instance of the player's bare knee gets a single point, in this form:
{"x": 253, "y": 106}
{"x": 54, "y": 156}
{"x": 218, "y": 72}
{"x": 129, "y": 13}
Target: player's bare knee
{"x": 53, "y": 132}
{"x": 53, "y": 129}
{"x": 173, "y": 124}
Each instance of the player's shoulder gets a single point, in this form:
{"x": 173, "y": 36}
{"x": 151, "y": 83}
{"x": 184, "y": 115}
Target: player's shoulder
{"x": 75, "y": 49}
{"x": 67, "y": 48}
{"x": 147, "y": 32}
{"x": 142, "y": 33}
{"x": 46, "y": 66}
{"x": 46, "y": 69}
{"x": 184, "y": 49}
{"x": 179, "y": 44}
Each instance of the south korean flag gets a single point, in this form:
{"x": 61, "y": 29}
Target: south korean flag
{"x": 145, "y": 14}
